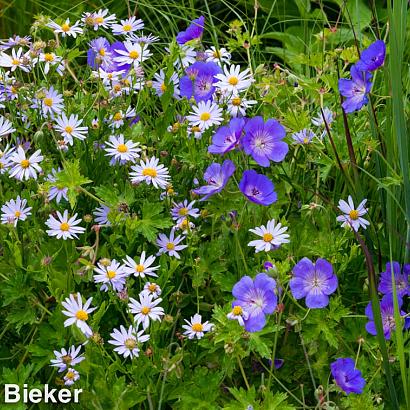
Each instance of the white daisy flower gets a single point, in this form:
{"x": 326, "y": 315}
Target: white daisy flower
{"x": 352, "y": 217}
{"x": 64, "y": 227}
{"x": 185, "y": 226}
{"x": 51, "y": 60}
{"x": 78, "y": 313}
{"x": 112, "y": 274}
{"x": 66, "y": 358}
{"x": 218, "y": 56}
{"x": 25, "y": 168}
{"x": 170, "y": 245}
{"x": 195, "y": 132}
{"x": 142, "y": 38}
{"x": 318, "y": 120}
{"x": 6, "y": 127}
{"x": 142, "y": 268}
{"x": 237, "y": 105}
{"x": 71, "y": 377}
{"x": 117, "y": 120}
{"x": 107, "y": 77}
{"x": 232, "y": 80}
{"x": 205, "y": 115}
{"x": 186, "y": 57}
{"x": 70, "y": 127}
{"x": 127, "y": 26}
{"x": 100, "y": 18}
{"x": 134, "y": 54}
{"x": 272, "y": 236}
{"x": 146, "y": 309}
{"x": 122, "y": 151}
{"x": 151, "y": 288}
{"x": 237, "y": 313}
{"x": 101, "y": 215}
{"x": 14, "y": 211}
{"x": 160, "y": 85}
{"x": 52, "y": 103}
{"x": 16, "y": 60}
{"x": 195, "y": 327}
{"x": 151, "y": 173}
{"x": 127, "y": 341}
{"x": 66, "y": 29}
{"x": 5, "y": 159}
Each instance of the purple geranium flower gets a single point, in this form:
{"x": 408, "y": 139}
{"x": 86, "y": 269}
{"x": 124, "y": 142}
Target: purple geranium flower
{"x": 199, "y": 81}
{"x": 257, "y": 298}
{"x": 313, "y": 281}
{"x": 346, "y": 376}
{"x": 194, "y": 31}
{"x": 401, "y": 279}
{"x": 216, "y": 177}
{"x": 263, "y": 141}
{"x": 387, "y": 312}
{"x": 258, "y": 188}
{"x": 373, "y": 57}
{"x": 355, "y": 90}
{"x": 227, "y": 138}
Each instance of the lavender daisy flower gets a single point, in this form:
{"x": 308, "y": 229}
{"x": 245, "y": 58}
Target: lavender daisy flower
{"x": 372, "y": 57}
{"x": 387, "y": 312}
{"x": 99, "y": 54}
{"x": 216, "y": 177}
{"x": 304, "y": 136}
{"x": 194, "y": 31}
{"x": 199, "y": 81}
{"x": 314, "y": 282}
{"x": 56, "y": 191}
{"x": 263, "y": 141}
{"x": 101, "y": 215}
{"x": 170, "y": 245}
{"x": 182, "y": 210}
{"x": 346, "y": 376}
{"x": 401, "y": 279}
{"x": 227, "y": 138}
{"x": 257, "y": 298}
{"x": 257, "y": 188}
{"x": 355, "y": 90}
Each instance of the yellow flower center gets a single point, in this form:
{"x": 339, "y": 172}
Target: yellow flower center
{"x": 163, "y": 87}
{"x": 64, "y": 227}
{"x": 130, "y": 343}
{"x": 233, "y": 80}
{"x": 68, "y": 129}
{"x": 149, "y": 172}
{"x": 170, "y": 246}
{"x": 216, "y": 54}
{"x": 205, "y": 116}
{"x": 25, "y": 163}
{"x": 111, "y": 274}
{"x": 65, "y": 27}
{"x": 117, "y": 116}
{"x": 70, "y": 375}
{"x": 267, "y": 237}
{"x": 117, "y": 88}
{"x": 17, "y": 214}
{"x": 197, "y": 327}
{"x": 183, "y": 211}
{"x": 134, "y": 54}
{"x": 139, "y": 268}
{"x": 101, "y": 52}
{"x": 48, "y": 57}
{"x": 15, "y": 61}
{"x": 237, "y": 310}
{"x": 236, "y": 101}
{"x": 145, "y": 310}
{"x": 67, "y": 359}
{"x": 354, "y": 214}
{"x": 126, "y": 27}
{"x": 152, "y": 287}
{"x": 122, "y": 148}
{"x": 184, "y": 224}
{"x": 81, "y": 315}
{"x": 99, "y": 20}
{"x": 48, "y": 102}
{"x": 305, "y": 140}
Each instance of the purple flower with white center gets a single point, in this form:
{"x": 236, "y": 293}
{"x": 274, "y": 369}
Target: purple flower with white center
{"x": 387, "y": 312}
{"x": 315, "y": 282}
{"x": 228, "y": 137}
{"x": 100, "y": 55}
{"x": 257, "y": 298}
{"x": 401, "y": 279}
{"x": 199, "y": 81}
{"x": 372, "y": 57}
{"x": 56, "y": 191}
{"x": 216, "y": 177}
{"x": 182, "y": 210}
{"x": 355, "y": 90}
{"x": 170, "y": 245}
{"x": 257, "y": 188}
{"x": 304, "y": 136}
{"x": 263, "y": 141}
{"x": 193, "y": 32}
{"x": 346, "y": 376}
